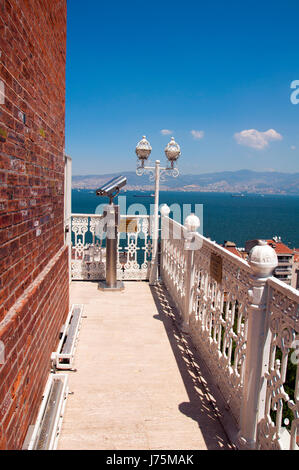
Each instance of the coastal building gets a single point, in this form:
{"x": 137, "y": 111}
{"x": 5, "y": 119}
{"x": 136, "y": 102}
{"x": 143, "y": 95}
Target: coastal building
{"x": 34, "y": 281}
{"x": 285, "y": 256}
{"x": 232, "y": 248}
{"x": 295, "y": 270}
{"x": 288, "y": 260}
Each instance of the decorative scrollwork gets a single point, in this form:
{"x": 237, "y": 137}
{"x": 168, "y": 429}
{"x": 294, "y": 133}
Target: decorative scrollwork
{"x": 218, "y": 319}
{"x": 151, "y": 171}
{"x": 89, "y": 253}
{"x": 284, "y": 328}
{"x": 174, "y": 172}
{"x": 140, "y": 171}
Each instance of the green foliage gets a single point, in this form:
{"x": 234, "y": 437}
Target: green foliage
{"x": 289, "y": 387}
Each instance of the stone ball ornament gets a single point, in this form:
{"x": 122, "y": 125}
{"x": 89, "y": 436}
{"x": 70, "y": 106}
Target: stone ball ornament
{"x": 263, "y": 259}
{"x": 165, "y": 210}
{"x": 192, "y": 223}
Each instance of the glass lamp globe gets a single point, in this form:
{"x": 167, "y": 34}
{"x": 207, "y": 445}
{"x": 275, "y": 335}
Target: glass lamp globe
{"x": 143, "y": 150}
{"x": 172, "y": 151}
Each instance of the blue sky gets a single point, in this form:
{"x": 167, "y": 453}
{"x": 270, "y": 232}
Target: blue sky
{"x": 220, "y": 69}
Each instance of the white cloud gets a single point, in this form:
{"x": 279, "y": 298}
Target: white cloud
{"x": 166, "y": 132}
{"x": 197, "y": 135}
{"x": 293, "y": 147}
{"x": 256, "y": 139}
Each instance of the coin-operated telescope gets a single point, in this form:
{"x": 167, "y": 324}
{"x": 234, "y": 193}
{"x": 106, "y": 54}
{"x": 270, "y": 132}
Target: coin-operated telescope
{"x": 111, "y": 221}
{"x": 112, "y": 188}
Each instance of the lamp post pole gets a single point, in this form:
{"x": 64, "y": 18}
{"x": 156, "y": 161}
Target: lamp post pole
{"x": 172, "y": 152}
{"x": 154, "y": 269}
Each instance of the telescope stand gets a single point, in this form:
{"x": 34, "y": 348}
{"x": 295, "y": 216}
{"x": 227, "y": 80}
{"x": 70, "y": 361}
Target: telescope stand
{"x": 111, "y": 283}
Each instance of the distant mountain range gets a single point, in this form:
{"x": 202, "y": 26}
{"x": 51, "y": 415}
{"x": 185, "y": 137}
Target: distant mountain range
{"x": 242, "y": 181}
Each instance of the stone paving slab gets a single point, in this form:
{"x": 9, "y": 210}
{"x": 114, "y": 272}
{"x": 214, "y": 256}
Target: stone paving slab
{"x": 134, "y": 387}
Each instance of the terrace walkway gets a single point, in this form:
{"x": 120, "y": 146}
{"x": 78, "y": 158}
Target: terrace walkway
{"x": 139, "y": 383}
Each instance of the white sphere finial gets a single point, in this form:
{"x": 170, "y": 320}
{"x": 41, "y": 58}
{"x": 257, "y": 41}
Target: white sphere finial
{"x": 165, "y": 210}
{"x": 192, "y": 223}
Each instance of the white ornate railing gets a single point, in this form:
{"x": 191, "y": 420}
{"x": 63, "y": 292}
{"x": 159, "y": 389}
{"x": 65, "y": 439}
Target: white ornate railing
{"x": 88, "y": 259}
{"x": 217, "y": 315}
{"x": 278, "y": 428}
{"x": 218, "y": 321}
{"x": 243, "y": 323}
{"x": 173, "y": 260}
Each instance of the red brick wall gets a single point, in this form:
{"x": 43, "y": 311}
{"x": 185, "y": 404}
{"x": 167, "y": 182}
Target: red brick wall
{"x": 33, "y": 262}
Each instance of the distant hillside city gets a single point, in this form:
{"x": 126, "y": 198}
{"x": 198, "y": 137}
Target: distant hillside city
{"x": 242, "y": 181}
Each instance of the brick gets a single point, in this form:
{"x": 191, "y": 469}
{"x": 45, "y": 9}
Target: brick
{"x": 32, "y": 308}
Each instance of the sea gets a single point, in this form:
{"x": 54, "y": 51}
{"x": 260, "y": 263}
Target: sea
{"x": 224, "y": 216}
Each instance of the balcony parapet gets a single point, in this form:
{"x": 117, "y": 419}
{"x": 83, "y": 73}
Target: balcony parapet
{"x": 244, "y": 322}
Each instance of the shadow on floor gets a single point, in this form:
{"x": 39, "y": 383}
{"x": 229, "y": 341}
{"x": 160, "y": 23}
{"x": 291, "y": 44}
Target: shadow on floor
{"x": 202, "y": 406}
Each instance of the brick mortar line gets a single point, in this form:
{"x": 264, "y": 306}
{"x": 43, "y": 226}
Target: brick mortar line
{"x": 13, "y": 310}
{"x": 34, "y": 371}
{"x": 24, "y": 280}
{"x": 17, "y": 172}
{"x": 24, "y": 221}
{"x": 11, "y": 266}
{"x": 28, "y": 104}
{"x": 25, "y": 24}
{"x": 43, "y": 324}
{"x": 39, "y": 57}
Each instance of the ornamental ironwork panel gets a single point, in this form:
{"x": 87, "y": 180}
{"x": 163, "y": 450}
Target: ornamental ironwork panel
{"x": 218, "y": 322}
{"x": 278, "y": 428}
{"x": 88, "y": 250}
{"x": 173, "y": 260}
{"x": 218, "y": 319}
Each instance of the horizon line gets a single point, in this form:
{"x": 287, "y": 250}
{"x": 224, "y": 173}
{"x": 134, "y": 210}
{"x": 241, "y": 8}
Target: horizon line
{"x": 195, "y": 174}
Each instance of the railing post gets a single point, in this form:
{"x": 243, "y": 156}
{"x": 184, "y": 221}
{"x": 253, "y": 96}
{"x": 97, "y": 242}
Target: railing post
{"x": 262, "y": 260}
{"x": 154, "y": 265}
{"x": 164, "y": 211}
{"x": 192, "y": 223}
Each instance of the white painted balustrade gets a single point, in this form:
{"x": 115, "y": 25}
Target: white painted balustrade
{"x": 244, "y": 323}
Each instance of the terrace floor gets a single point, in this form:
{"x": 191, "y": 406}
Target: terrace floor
{"x": 139, "y": 384}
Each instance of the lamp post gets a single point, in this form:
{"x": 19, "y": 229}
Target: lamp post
{"x": 156, "y": 173}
